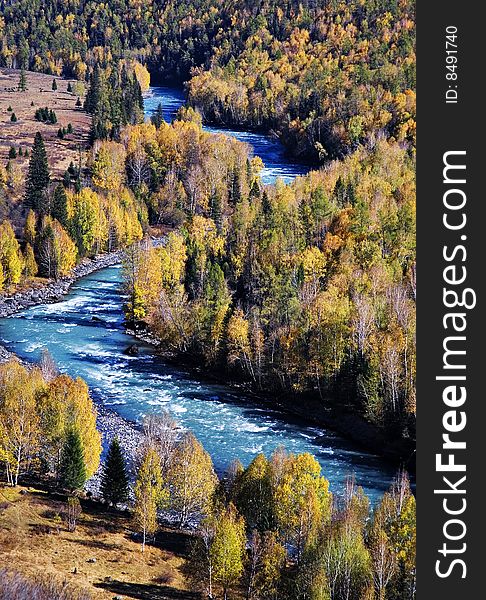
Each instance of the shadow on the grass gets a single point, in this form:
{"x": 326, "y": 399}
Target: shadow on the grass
{"x": 175, "y": 541}
{"x": 142, "y": 591}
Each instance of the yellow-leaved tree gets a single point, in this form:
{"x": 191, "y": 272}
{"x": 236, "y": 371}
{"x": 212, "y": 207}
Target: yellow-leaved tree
{"x": 20, "y": 431}
{"x": 67, "y": 406}
{"x": 10, "y": 255}
{"x": 150, "y": 494}
{"x": 191, "y": 480}
{"x": 302, "y": 500}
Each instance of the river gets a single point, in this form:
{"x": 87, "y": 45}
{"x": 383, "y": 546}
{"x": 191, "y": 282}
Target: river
{"x": 84, "y": 333}
{"x": 269, "y": 149}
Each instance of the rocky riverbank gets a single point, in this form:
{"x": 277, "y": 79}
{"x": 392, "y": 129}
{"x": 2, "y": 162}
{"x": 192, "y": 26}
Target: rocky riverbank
{"x": 109, "y": 422}
{"x": 53, "y": 291}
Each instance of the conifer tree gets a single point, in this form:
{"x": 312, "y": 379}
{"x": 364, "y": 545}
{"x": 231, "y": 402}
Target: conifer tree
{"x": 73, "y": 469}
{"x": 158, "y": 117}
{"x": 30, "y": 264}
{"x": 59, "y": 208}
{"x": 22, "y": 81}
{"x": 38, "y": 177}
{"x": 54, "y": 85}
{"x": 114, "y": 481}
{"x": 13, "y": 118}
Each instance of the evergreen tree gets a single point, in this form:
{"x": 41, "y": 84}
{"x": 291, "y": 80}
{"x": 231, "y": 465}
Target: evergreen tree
{"x": 73, "y": 469}
{"x": 22, "y": 81}
{"x": 59, "y": 209}
{"x": 12, "y": 153}
{"x": 38, "y": 177}
{"x": 66, "y": 179}
{"x": 114, "y": 481}
{"x": 78, "y": 102}
{"x": 69, "y": 88}
{"x": 158, "y": 117}
{"x": 217, "y": 211}
{"x": 13, "y": 118}
{"x": 54, "y": 85}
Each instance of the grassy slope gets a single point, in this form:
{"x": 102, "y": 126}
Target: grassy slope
{"x": 30, "y": 542}
{"x": 21, "y": 133}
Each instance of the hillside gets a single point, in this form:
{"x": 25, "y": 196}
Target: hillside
{"x": 20, "y": 134}
{"x": 40, "y": 94}
{"x": 99, "y": 556}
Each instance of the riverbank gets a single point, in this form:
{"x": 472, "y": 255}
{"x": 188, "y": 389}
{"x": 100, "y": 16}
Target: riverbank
{"x": 310, "y": 412}
{"x": 314, "y": 411}
{"x": 109, "y": 422}
{"x": 52, "y": 291}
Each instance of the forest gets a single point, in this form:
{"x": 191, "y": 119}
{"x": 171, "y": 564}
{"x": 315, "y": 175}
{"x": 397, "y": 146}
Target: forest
{"x": 301, "y": 288}
{"x": 270, "y": 530}
{"x": 302, "y": 292}
{"x": 326, "y": 76}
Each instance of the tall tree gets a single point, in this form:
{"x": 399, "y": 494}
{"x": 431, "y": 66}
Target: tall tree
{"x": 228, "y": 549}
{"x": 19, "y": 421}
{"x": 73, "y": 468}
{"x": 38, "y": 177}
{"x": 22, "y": 81}
{"x": 59, "y": 208}
{"x": 191, "y": 480}
{"x": 149, "y": 495}
{"x": 114, "y": 480}
{"x": 157, "y": 117}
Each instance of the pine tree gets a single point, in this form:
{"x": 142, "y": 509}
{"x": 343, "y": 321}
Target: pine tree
{"x": 69, "y": 88}
{"x": 217, "y": 211}
{"x": 66, "y": 179}
{"x": 12, "y": 153}
{"x": 22, "y": 81}
{"x": 13, "y": 118}
{"x": 54, "y": 85}
{"x": 38, "y": 177}
{"x": 158, "y": 117}
{"x": 59, "y": 208}
{"x": 73, "y": 469}
{"x": 114, "y": 481}
{"x": 78, "y": 102}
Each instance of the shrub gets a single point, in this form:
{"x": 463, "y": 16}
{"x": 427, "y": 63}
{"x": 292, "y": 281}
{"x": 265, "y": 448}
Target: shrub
{"x": 18, "y": 586}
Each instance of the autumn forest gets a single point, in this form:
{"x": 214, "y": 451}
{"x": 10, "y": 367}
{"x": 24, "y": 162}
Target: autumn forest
{"x": 299, "y": 293}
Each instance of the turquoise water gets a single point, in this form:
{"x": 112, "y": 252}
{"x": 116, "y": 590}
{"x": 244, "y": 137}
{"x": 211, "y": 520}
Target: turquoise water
{"x": 84, "y": 332}
{"x": 228, "y": 424}
{"x": 269, "y": 149}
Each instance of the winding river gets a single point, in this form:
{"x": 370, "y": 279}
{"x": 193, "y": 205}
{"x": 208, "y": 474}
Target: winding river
{"x": 84, "y": 333}
{"x": 269, "y": 149}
